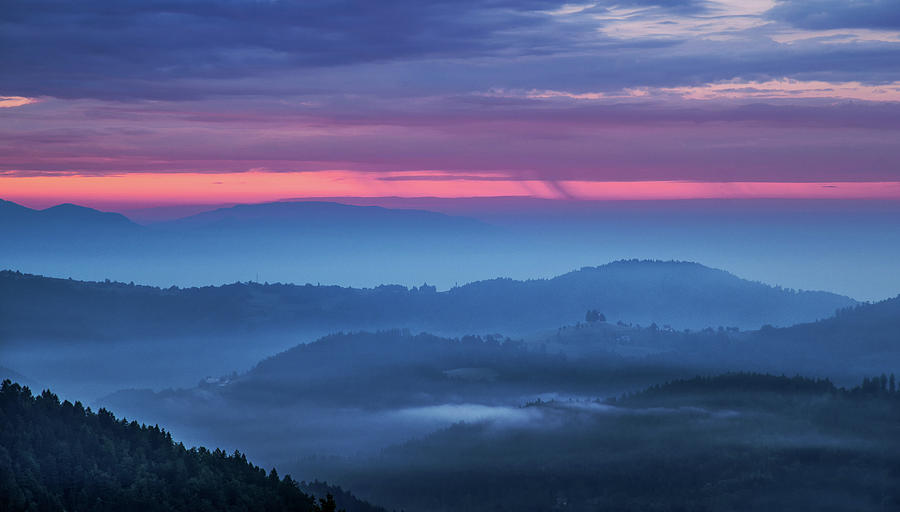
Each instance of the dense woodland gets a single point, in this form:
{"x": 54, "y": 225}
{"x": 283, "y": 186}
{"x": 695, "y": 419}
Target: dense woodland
{"x": 739, "y": 442}
{"x": 60, "y": 456}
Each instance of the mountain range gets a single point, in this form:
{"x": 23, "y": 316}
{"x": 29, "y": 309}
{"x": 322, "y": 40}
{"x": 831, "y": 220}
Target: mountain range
{"x": 312, "y": 216}
{"x": 290, "y": 215}
{"x": 285, "y": 241}
{"x": 366, "y": 246}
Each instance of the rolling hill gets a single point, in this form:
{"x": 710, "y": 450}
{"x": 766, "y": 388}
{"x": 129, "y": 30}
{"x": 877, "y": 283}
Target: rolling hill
{"x": 683, "y": 295}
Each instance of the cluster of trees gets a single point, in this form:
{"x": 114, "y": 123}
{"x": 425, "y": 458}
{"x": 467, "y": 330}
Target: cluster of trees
{"x": 756, "y": 390}
{"x": 880, "y": 384}
{"x": 593, "y": 315}
{"x": 737, "y": 382}
{"x": 60, "y": 456}
{"x": 342, "y": 498}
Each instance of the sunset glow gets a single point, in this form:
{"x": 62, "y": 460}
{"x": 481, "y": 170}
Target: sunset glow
{"x": 142, "y": 189}
{"x": 721, "y": 99}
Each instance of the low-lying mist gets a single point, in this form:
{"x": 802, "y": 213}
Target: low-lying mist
{"x": 585, "y": 405}
{"x": 736, "y": 442}
{"x": 89, "y": 370}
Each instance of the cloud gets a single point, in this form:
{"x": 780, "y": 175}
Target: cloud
{"x": 15, "y": 101}
{"x": 542, "y": 90}
{"x": 471, "y": 137}
{"x": 838, "y": 36}
{"x": 731, "y": 90}
{"x": 194, "y": 49}
{"x": 125, "y": 48}
{"x": 713, "y": 19}
{"x": 832, "y": 14}
{"x": 786, "y": 88}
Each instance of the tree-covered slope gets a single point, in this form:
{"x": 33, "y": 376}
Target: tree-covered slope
{"x": 873, "y": 328}
{"x": 62, "y": 457}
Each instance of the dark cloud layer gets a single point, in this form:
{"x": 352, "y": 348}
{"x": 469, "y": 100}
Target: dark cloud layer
{"x": 188, "y": 49}
{"x": 56, "y": 46}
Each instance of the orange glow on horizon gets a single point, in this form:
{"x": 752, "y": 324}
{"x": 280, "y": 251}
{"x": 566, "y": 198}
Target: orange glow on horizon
{"x": 261, "y": 186}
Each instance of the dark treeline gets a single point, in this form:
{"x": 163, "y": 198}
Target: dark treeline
{"x": 732, "y": 387}
{"x": 58, "y": 456}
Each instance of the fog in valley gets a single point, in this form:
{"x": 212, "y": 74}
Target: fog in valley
{"x": 632, "y": 384}
{"x": 449, "y": 256}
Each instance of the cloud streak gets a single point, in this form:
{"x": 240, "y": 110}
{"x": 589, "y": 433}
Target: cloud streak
{"x": 15, "y": 101}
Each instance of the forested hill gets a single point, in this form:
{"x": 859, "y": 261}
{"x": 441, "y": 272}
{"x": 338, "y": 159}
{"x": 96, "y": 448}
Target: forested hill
{"x": 60, "y": 456}
{"x": 676, "y": 293}
{"x": 869, "y": 328}
{"x": 681, "y": 294}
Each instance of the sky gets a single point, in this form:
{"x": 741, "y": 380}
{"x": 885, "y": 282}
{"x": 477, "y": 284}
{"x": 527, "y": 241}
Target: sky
{"x": 124, "y": 104}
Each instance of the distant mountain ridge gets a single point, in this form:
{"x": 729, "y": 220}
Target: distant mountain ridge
{"x": 273, "y": 215}
{"x": 15, "y": 218}
{"x": 313, "y": 214}
{"x": 672, "y": 293}
{"x": 285, "y": 241}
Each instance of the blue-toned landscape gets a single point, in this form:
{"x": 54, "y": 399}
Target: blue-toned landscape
{"x": 432, "y": 256}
